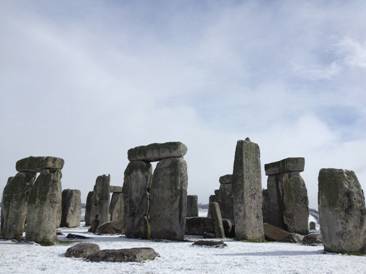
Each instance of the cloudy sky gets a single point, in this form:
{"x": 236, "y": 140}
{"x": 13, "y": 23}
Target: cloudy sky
{"x": 87, "y": 80}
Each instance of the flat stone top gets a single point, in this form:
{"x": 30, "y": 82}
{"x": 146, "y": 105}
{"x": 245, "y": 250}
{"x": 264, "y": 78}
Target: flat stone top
{"x": 292, "y": 164}
{"x": 36, "y": 164}
{"x": 156, "y": 152}
{"x": 226, "y": 179}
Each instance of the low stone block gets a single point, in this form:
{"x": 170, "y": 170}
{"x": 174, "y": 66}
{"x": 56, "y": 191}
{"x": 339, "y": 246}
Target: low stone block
{"x": 36, "y": 164}
{"x": 156, "y": 152}
{"x": 292, "y": 164}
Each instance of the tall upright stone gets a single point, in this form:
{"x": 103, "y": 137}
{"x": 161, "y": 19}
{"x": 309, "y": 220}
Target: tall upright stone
{"x": 247, "y": 192}
{"x": 192, "y": 206}
{"x": 14, "y": 205}
{"x": 116, "y": 208}
{"x": 71, "y": 208}
{"x": 43, "y": 207}
{"x": 168, "y": 206}
{"x": 342, "y": 211}
{"x": 101, "y": 198}
{"x": 137, "y": 182}
{"x": 89, "y": 208}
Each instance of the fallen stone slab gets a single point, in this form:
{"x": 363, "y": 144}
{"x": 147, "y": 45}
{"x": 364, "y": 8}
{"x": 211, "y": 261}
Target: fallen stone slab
{"x": 82, "y": 250}
{"x": 291, "y": 164}
{"x": 156, "y": 152}
{"x": 207, "y": 243}
{"x": 139, "y": 254}
{"x": 36, "y": 164}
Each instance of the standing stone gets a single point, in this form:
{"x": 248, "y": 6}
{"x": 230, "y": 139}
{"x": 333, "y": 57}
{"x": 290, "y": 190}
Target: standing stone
{"x": 137, "y": 182}
{"x": 89, "y": 208}
{"x": 71, "y": 208}
{"x": 157, "y": 152}
{"x": 116, "y": 208}
{"x": 216, "y": 216}
{"x": 192, "y": 206}
{"x": 168, "y": 205}
{"x": 225, "y": 198}
{"x": 101, "y": 198}
{"x": 247, "y": 192}
{"x": 342, "y": 211}
{"x": 14, "y": 205}
{"x": 43, "y": 207}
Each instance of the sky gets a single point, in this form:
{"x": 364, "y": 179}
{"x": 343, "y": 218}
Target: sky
{"x": 87, "y": 80}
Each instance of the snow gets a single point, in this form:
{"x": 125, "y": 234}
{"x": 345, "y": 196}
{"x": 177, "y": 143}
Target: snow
{"x": 179, "y": 257}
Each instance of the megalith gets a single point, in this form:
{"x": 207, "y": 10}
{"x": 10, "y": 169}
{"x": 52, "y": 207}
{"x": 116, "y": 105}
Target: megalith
{"x": 137, "y": 182}
{"x": 247, "y": 192}
{"x": 342, "y": 211}
{"x": 168, "y": 199}
{"x": 15, "y": 204}
{"x": 71, "y": 208}
{"x": 192, "y": 206}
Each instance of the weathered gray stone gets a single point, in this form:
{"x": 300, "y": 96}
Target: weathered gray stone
{"x": 192, "y": 205}
{"x": 157, "y": 152}
{"x": 110, "y": 228}
{"x": 43, "y": 208}
{"x": 293, "y": 164}
{"x": 116, "y": 207}
{"x": 217, "y": 220}
{"x": 115, "y": 189}
{"x": 71, "y": 208}
{"x": 207, "y": 243}
{"x": 89, "y": 208}
{"x": 225, "y": 197}
{"x": 137, "y": 182}
{"x": 139, "y": 254}
{"x": 342, "y": 211}
{"x": 101, "y": 198}
{"x": 247, "y": 192}
{"x": 168, "y": 206}
{"x": 37, "y": 164}
{"x": 14, "y": 205}
{"x": 82, "y": 250}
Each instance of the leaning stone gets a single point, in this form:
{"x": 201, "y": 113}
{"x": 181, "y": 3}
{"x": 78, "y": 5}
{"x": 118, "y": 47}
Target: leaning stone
{"x": 192, "y": 206}
{"x": 82, "y": 250}
{"x": 342, "y": 211}
{"x": 115, "y": 189}
{"x": 71, "y": 208}
{"x": 295, "y": 164}
{"x": 14, "y": 205}
{"x": 139, "y": 254}
{"x": 137, "y": 181}
{"x": 312, "y": 239}
{"x": 89, "y": 208}
{"x": 37, "y": 164}
{"x": 216, "y": 216}
{"x": 168, "y": 206}
{"x": 116, "y": 207}
{"x": 43, "y": 207}
{"x": 110, "y": 228}
{"x": 101, "y": 198}
{"x": 157, "y": 152}
{"x": 199, "y": 226}
{"x": 247, "y": 192}
{"x": 206, "y": 243}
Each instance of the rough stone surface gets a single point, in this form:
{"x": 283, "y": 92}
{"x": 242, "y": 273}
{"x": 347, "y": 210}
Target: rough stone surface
{"x": 207, "y": 243}
{"x": 43, "y": 208}
{"x": 225, "y": 197}
{"x": 101, "y": 198}
{"x": 342, "y": 211}
{"x": 110, "y": 228}
{"x": 71, "y": 208}
{"x": 199, "y": 225}
{"x": 37, "y": 164}
{"x": 168, "y": 206}
{"x": 192, "y": 206}
{"x": 294, "y": 164}
{"x": 247, "y": 192}
{"x": 137, "y": 182}
{"x": 89, "y": 208}
{"x": 82, "y": 250}
{"x": 139, "y": 254}
{"x": 157, "y": 152}
{"x": 216, "y": 216}
{"x": 115, "y": 189}
{"x": 14, "y": 205}
{"x": 116, "y": 207}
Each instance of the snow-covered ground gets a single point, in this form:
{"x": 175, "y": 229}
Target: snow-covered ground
{"x": 179, "y": 257}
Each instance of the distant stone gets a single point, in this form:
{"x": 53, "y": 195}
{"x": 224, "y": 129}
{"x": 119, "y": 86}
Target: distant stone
{"x": 312, "y": 239}
{"x": 157, "y": 152}
{"x": 192, "y": 205}
{"x": 71, "y": 208}
{"x": 342, "y": 211}
{"x": 82, "y": 250}
{"x": 206, "y": 243}
{"x": 216, "y": 216}
{"x": 199, "y": 226}
{"x": 247, "y": 192}
{"x": 115, "y": 189}
{"x": 110, "y": 228}
{"x": 36, "y": 164}
{"x": 140, "y": 254}
{"x": 294, "y": 164}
